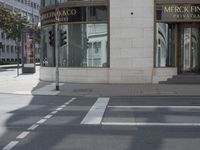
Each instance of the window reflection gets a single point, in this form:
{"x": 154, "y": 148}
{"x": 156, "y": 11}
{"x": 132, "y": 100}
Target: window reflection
{"x": 86, "y": 32}
{"x": 48, "y": 52}
{"x": 86, "y": 46}
{"x": 165, "y": 50}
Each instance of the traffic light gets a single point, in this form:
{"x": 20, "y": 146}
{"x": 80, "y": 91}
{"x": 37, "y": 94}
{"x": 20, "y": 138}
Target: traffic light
{"x": 63, "y": 38}
{"x": 51, "y": 38}
{"x": 87, "y": 43}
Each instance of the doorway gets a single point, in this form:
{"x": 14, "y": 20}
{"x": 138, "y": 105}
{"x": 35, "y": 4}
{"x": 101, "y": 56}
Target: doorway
{"x": 189, "y": 49}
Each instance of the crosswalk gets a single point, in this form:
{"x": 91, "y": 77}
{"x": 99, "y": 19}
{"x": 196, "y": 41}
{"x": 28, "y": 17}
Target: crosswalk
{"x": 173, "y": 114}
{"x": 79, "y": 116}
{"x": 94, "y": 116}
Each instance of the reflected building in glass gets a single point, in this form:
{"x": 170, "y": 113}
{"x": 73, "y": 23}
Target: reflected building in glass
{"x": 109, "y": 41}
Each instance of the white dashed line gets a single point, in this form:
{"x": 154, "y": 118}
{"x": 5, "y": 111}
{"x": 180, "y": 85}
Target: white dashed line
{"x": 10, "y": 145}
{"x": 23, "y": 135}
{"x": 63, "y": 106}
{"x": 33, "y": 127}
{"x": 58, "y": 109}
{"x": 54, "y": 112}
{"x": 48, "y": 116}
{"x": 41, "y": 121}
{"x": 72, "y": 99}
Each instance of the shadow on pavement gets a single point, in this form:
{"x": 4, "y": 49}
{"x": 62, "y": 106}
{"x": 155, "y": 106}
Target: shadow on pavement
{"x": 64, "y": 132}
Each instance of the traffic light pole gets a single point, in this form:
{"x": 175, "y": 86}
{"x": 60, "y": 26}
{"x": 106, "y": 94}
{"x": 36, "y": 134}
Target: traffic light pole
{"x": 57, "y": 62}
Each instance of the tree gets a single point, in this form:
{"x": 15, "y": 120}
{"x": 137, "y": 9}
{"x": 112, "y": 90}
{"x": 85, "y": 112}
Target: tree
{"x": 37, "y": 30}
{"x": 12, "y": 23}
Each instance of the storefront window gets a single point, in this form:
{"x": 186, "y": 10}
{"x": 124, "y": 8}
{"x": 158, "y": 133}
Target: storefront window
{"x": 86, "y": 46}
{"x": 85, "y": 30}
{"x": 165, "y": 51}
{"x": 48, "y": 52}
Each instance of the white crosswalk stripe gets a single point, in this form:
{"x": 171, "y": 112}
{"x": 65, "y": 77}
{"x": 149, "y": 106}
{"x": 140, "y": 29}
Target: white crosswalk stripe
{"x": 95, "y": 114}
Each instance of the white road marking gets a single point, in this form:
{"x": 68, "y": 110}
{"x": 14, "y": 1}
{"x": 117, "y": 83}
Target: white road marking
{"x": 10, "y": 145}
{"x": 58, "y": 109}
{"x": 150, "y": 124}
{"x": 73, "y": 98}
{"x": 95, "y": 114}
{"x": 33, "y": 127}
{"x": 63, "y": 106}
{"x": 54, "y": 112}
{"x": 23, "y": 135}
{"x": 48, "y": 116}
{"x": 41, "y": 121}
{"x": 150, "y": 107}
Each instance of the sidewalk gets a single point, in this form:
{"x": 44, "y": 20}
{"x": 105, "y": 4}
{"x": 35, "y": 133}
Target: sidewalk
{"x": 30, "y": 84}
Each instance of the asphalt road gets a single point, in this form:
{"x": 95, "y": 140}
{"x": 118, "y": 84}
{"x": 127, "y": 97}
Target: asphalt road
{"x": 93, "y": 123}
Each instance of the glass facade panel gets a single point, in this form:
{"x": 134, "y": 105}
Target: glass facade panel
{"x": 48, "y": 52}
{"x": 190, "y": 50}
{"x": 165, "y": 51}
{"x": 86, "y": 31}
{"x": 86, "y": 46}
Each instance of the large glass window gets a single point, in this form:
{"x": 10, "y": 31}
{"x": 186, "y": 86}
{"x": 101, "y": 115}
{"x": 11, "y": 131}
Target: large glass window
{"x": 165, "y": 50}
{"x": 86, "y": 46}
{"x": 48, "y": 53}
{"x": 86, "y": 31}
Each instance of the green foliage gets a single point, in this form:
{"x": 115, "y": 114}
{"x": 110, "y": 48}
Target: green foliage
{"x": 12, "y": 23}
{"x": 37, "y": 30}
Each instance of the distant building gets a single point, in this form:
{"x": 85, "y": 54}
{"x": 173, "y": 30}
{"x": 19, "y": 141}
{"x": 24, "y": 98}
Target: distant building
{"x": 29, "y": 9}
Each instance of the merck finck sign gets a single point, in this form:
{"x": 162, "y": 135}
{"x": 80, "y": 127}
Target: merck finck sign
{"x": 178, "y": 12}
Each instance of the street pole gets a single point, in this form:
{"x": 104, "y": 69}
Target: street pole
{"x": 18, "y": 50}
{"x": 18, "y": 60}
{"x": 57, "y": 4}
{"x": 57, "y": 62}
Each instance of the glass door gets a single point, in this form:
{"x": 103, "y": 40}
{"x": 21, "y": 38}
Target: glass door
{"x": 190, "y": 50}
